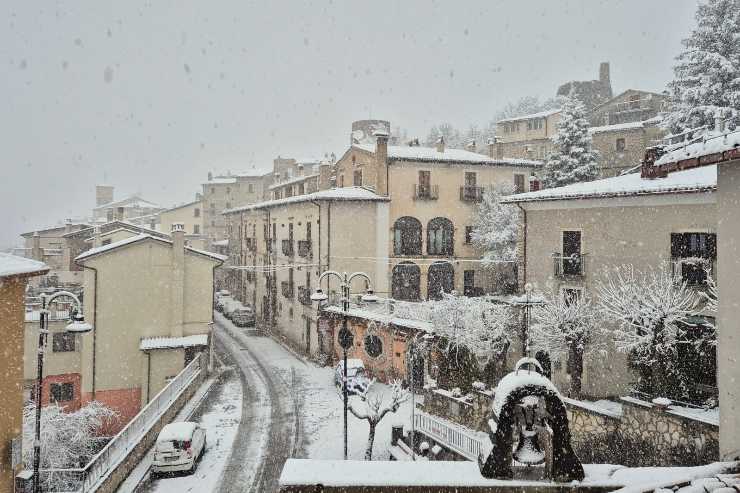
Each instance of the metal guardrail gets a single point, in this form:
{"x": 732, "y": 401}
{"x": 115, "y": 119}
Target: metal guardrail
{"x": 451, "y": 437}
{"x": 119, "y": 447}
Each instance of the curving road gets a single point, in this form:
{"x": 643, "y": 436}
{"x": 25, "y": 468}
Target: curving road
{"x": 270, "y": 431}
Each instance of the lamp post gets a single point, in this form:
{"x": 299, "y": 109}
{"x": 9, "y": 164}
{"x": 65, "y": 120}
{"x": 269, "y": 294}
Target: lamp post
{"x": 345, "y": 336}
{"x": 77, "y": 326}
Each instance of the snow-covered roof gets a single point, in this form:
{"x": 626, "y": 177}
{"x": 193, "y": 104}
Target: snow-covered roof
{"x": 541, "y": 114}
{"x": 11, "y": 265}
{"x": 135, "y": 239}
{"x": 180, "y": 431}
{"x": 220, "y": 243}
{"x": 333, "y": 194}
{"x": 379, "y": 314}
{"x": 297, "y": 179}
{"x": 617, "y": 127}
{"x": 173, "y": 342}
{"x": 116, "y": 225}
{"x": 221, "y": 180}
{"x": 691, "y": 180}
{"x": 174, "y": 208}
{"x": 430, "y": 154}
{"x": 712, "y": 146}
{"x": 131, "y": 200}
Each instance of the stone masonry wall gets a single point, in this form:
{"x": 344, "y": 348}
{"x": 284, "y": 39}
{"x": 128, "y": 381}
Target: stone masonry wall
{"x": 642, "y": 434}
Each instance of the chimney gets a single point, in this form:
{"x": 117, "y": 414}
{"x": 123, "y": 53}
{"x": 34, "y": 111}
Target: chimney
{"x": 118, "y": 216}
{"x": 210, "y": 176}
{"x": 604, "y": 77}
{"x": 324, "y": 176}
{"x": 177, "y": 287}
{"x": 381, "y": 162}
{"x": 472, "y": 146}
{"x": 36, "y": 252}
{"x": 491, "y": 147}
{"x": 103, "y": 195}
{"x": 441, "y": 144}
{"x": 67, "y": 226}
{"x": 96, "y": 237}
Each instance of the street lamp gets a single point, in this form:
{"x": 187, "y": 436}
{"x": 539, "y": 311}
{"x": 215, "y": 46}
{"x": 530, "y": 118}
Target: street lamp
{"x": 345, "y": 336}
{"x": 77, "y": 326}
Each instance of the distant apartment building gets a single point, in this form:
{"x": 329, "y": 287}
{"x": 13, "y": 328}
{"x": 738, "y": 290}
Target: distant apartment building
{"x": 48, "y": 246}
{"x": 14, "y": 275}
{"x": 279, "y": 248}
{"x": 630, "y": 106}
{"x": 133, "y": 208}
{"x": 150, "y": 301}
{"x": 225, "y": 192}
{"x": 191, "y": 216}
{"x": 572, "y": 234}
{"x": 527, "y": 136}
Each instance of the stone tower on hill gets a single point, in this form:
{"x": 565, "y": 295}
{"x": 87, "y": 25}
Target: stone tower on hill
{"x": 591, "y": 92}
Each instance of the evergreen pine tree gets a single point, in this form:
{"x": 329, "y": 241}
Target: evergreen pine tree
{"x": 707, "y": 73}
{"x": 573, "y": 160}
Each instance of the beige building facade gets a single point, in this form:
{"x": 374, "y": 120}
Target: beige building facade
{"x": 14, "y": 275}
{"x": 278, "y": 250}
{"x": 573, "y": 234}
{"x": 527, "y": 136}
{"x": 621, "y": 147}
{"x": 150, "y": 301}
{"x": 225, "y": 192}
{"x": 190, "y": 215}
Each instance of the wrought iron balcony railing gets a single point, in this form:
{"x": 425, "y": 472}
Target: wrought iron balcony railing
{"x": 570, "y": 267}
{"x": 288, "y": 248}
{"x": 470, "y": 193}
{"x": 305, "y": 248}
{"x": 287, "y": 289}
{"x": 694, "y": 271}
{"x": 426, "y": 192}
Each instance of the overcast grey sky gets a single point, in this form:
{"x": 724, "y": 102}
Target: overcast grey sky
{"x": 150, "y": 96}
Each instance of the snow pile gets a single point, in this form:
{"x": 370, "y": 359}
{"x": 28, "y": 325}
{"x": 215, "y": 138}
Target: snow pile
{"x": 695, "y": 179}
{"x": 516, "y": 380}
{"x": 11, "y": 265}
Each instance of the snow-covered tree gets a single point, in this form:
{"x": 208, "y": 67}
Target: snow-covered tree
{"x": 652, "y": 312}
{"x": 568, "y": 325}
{"x": 573, "y": 160}
{"x": 68, "y": 440}
{"x": 495, "y": 231}
{"x": 453, "y": 138}
{"x": 707, "y": 73}
{"x": 470, "y": 330}
{"x": 374, "y": 407}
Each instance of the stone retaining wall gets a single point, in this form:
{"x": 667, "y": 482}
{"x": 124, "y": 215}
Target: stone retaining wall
{"x": 642, "y": 434}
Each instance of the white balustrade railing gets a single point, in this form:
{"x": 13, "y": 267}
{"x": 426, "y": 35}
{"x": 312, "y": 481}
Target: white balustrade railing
{"x": 115, "y": 451}
{"x": 449, "y": 435}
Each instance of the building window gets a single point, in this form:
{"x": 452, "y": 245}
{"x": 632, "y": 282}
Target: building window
{"x": 213, "y": 223}
{"x": 471, "y": 179}
{"x": 196, "y": 229}
{"x": 440, "y": 233}
{"x": 468, "y": 235}
{"x": 213, "y": 207}
{"x": 519, "y": 183}
{"x": 406, "y": 280}
{"x": 62, "y": 342}
{"x": 213, "y": 190}
{"x": 572, "y": 263}
{"x": 407, "y": 236}
{"x": 341, "y": 181}
{"x": 534, "y": 124}
{"x": 250, "y": 188}
{"x": 373, "y": 345}
{"x": 621, "y": 146}
{"x": 469, "y": 283}
{"x": 357, "y": 178}
{"x": 440, "y": 278}
{"x": 196, "y": 212}
{"x": 228, "y": 205}
{"x": 693, "y": 254}
{"x": 228, "y": 189}
{"x": 61, "y": 392}
{"x": 301, "y": 189}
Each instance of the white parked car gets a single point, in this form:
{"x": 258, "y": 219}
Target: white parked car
{"x": 357, "y": 380}
{"x": 178, "y": 447}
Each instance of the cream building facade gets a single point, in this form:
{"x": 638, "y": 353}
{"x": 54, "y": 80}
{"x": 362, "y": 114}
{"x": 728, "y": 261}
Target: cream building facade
{"x": 434, "y": 194}
{"x": 150, "y": 301}
{"x": 279, "y": 248}
{"x": 527, "y": 136}
{"x": 225, "y": 192}
{"x": 190, "y": 215}
{"x": 573, "y": 234}
{"x": 14, "y": 275}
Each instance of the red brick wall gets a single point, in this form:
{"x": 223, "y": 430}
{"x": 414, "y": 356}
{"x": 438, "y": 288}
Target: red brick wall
{"x": 126, "y": 402}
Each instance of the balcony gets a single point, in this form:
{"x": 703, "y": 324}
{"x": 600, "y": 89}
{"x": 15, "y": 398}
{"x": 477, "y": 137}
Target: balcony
{"x": 250, "y": 244}
{"x": 305, "y": 249}
{"x": 426, "y": 192}
{"x": 304, "y": 295}
{"x": 693, "y": 271}
{"x": 571, "y": 267}
{"x": 286, "y": 288}
{"x": 470, "y": 193}
{"x": 288, "y": 248}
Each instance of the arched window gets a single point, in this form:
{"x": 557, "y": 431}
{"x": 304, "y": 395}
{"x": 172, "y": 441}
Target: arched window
{"x": 407, "y": 236}
{"x": 441, "y": 277}
{"x": 440, "y": 237}
{"x": 373, "y": 345}
{"x": 406, "y": 282}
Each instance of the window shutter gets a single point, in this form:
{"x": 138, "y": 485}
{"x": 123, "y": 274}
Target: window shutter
{"x": 712, "y": 246}
{"x": 677, "y": 245}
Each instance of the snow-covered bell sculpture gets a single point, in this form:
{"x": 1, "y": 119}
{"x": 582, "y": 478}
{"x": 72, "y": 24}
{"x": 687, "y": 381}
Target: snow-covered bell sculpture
{"x": 528, "y": 450}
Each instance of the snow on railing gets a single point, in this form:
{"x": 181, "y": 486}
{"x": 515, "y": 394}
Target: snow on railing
{"x": 449, "y": 435}
{"x": 106, "y": 461}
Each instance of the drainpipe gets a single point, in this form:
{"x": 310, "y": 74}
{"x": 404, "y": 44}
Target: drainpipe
{"x": 318, "y": 205}
{"x": 328, "y": 242}
{"x": 148, "y": 374}
{"x": 524, "y": 241}
{"x": 94, "y": 324}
